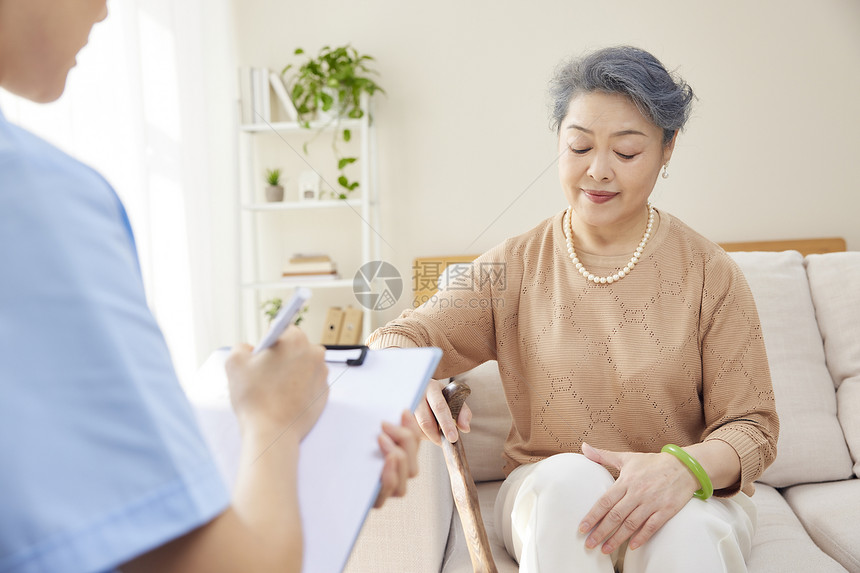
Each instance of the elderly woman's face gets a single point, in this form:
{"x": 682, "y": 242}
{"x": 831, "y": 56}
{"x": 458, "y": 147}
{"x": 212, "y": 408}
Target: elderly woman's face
{"x": 610, "y": 156}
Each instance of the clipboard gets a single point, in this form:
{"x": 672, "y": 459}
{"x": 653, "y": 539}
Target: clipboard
{"x": 339, "y": 461}
{"x": 349, "y": 354}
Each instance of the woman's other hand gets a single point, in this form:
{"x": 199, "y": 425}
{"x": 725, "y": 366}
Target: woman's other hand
{"x": 399, "y": 445}
{"x": 433, "y": 413}
{"x": 650, "y": 490}
{"x": 281, "y": 389}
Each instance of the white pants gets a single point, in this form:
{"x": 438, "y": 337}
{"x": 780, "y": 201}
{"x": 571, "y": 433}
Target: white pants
{"x": 540, "y": 505}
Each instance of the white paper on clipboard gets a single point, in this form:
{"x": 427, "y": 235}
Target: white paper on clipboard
{"x": 340, "y": 462}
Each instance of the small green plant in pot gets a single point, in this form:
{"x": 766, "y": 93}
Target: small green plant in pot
{"x": 332, "y": 84}
{"x": 272, "y": 306}
{"x": 275, "y": 191}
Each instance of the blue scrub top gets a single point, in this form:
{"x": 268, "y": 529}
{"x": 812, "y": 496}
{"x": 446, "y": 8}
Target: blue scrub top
{"x": 100, "y": 455}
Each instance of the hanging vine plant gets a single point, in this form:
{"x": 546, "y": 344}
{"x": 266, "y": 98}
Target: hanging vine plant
{"x": 331, "y": 85}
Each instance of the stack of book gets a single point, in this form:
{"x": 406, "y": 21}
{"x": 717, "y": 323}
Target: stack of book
{"x": 312, "y": 267}
{"x": 255, "y": 86}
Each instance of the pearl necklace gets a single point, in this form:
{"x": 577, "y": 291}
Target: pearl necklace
{"x": 568, "y": 233}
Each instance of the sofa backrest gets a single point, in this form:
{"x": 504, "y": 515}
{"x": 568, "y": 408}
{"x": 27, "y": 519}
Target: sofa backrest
{"x": 812, "y": 445}
{"x": 491, "y": 422}
{"x": 834, "y": 282}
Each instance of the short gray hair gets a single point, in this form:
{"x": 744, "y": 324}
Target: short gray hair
{"x": 633, "y": 72}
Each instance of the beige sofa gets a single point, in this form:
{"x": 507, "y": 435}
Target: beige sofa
{"x": 808, "y": 500}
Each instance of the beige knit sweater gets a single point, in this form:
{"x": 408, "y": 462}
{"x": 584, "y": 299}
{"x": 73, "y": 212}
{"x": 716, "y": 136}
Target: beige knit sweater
{"x": 673, "y": 353}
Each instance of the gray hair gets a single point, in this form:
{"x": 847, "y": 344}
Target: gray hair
{"x": 635, "y": 73}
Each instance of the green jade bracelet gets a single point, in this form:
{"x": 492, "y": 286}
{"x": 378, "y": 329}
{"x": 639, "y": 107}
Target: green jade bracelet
{"x": 707, "y": 487}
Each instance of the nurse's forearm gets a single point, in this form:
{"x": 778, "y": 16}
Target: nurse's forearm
{"x": 266, "y": 501}
{"x": 260, "y": 531}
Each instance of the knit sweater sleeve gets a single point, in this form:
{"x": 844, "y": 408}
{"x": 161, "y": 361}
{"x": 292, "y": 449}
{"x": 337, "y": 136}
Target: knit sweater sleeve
{"x": 460, "y": 319}
{"x": 737, "y": 394}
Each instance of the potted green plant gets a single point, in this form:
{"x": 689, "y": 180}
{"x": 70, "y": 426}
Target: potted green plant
{"x": 272, "y": 306}
{"x": 274, "y": 191}
{"x": 332, "y": 84}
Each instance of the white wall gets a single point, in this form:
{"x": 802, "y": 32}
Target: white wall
{"x": 466, "y": 155}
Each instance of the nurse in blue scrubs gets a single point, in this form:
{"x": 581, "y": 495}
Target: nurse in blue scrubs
{"x": 101, "y": 464}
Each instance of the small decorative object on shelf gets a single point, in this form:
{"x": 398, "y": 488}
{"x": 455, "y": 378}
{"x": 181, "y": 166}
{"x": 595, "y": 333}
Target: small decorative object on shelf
{"x": 332, "y": 325}
{"x": 309, "y": 185}
{"x": 275, "y": 191}
{"x": 342, "y": 326}
{"x": 329, "y": 87}
{"x": 350, "y": 330}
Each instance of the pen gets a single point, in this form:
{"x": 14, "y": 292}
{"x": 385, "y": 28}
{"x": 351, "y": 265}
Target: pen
{"x": 284, "y": 318}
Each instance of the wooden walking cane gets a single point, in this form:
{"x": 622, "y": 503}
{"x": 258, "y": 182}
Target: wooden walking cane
{"x": 463, "y": 486}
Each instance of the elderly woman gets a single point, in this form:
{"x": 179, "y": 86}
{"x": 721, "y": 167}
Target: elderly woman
{"x": 621, "y": 333}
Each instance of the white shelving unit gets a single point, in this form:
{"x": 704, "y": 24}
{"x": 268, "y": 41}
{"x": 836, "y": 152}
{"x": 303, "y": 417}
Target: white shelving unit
{"x": 253, "y": 278}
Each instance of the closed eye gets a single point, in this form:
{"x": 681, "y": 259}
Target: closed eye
{"x": 580, "y": 151}
{"x": 623, "y": 156}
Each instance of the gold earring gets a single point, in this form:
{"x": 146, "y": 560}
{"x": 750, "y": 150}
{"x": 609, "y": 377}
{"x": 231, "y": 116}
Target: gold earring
{"x": 665, "y": 174}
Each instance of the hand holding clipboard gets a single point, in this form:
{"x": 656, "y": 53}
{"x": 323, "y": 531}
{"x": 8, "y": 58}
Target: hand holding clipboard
{"x": 341, "y": 462}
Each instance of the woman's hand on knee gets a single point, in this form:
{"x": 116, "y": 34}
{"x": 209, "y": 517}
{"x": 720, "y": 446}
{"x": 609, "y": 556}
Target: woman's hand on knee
{"x": 649, "y": 491}
{"x": 433, "y": 413}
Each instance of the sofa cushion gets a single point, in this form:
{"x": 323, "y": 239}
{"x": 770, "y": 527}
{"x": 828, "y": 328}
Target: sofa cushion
{"x": 409, "y": 533}
{"x": 811, "y": 446}
{"x": 828, "y": 511}
{"x": 780, "y": 543}
{"x": 457, "y": 558}
{"x": 491, "y": 422}
{"x": 834, "y": 280}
